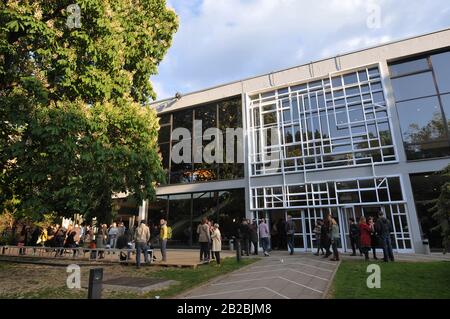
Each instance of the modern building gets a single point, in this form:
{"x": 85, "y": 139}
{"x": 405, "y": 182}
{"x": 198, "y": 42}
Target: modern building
{"x": 357, "y": 133}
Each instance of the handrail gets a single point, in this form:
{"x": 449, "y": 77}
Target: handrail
{"x": 97, "y": 254}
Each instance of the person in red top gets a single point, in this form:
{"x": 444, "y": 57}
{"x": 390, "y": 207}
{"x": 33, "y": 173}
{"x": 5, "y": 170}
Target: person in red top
{"x": 364, "y": 237}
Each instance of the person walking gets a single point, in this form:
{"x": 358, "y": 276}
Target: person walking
{"x": 254, "y": 236}
{"x": 141, "y": 237}
{"x": 290, "y": 232}
{"x": 373, "y": 237}
{"x": 364, "y": 237}
{"x": 354, "y": 236}
{"x": 264, "y": 236}
{"x": 384, "y": 228}
{"x": 216, "y": 243}
{"x": 164, "y": 236}
{"x": 335, "y": 239}
{"x": 317, "y": 234}
{"x": 204, "y": 237}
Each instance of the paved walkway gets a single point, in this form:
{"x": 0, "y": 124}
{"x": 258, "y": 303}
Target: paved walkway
{"x": 301, "y": 276}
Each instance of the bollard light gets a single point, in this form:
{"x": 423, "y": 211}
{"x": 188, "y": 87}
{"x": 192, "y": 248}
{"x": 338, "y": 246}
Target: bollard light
{"x": 95, "y": 283}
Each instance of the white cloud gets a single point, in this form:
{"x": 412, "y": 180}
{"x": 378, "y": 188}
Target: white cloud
{"x": 224, "y": 40}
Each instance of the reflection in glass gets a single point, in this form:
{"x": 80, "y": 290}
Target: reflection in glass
{"x": 441, "y": 67}
{"x": 424, "y": 130}
{"x": 409, "y": 67}
{"x": 413, "y": 86}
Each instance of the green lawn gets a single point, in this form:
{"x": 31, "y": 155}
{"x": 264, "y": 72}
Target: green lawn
{"x": 429, "y": 280}
{"x": 45, "y": 288}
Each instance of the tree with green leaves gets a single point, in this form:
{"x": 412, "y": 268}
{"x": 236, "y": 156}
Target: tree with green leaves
{"x": 441, "y": 211}
{"x": 76, "y": 126}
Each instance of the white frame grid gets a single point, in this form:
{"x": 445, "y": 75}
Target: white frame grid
{"x": 387, "y": 193}
{"x": 326, "y": 104}
{"x": 326, "y": 194}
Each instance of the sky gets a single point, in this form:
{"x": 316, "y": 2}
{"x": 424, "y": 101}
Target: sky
{"x": 220, "y": 41}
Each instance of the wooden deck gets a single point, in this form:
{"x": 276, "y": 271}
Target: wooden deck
{"x": 175, "y": 257}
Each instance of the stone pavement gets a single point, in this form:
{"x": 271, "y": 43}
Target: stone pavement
{"x": 280, "y": 276}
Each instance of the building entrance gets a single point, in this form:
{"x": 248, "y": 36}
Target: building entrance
{"x": 306, "y": 219}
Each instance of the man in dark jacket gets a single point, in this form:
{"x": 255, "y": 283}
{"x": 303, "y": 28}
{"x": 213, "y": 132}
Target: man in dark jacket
{"x": 354, "y": 236}
{"x": 325, "y": 237}
{"x": 290, "y": 232}
{"x": 244, "y": 235}
{"x": 384, "y": 228}
{"x": 254, "y": 236}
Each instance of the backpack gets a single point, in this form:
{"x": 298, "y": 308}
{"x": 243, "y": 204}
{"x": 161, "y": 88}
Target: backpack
{"x": 169, "y": 232}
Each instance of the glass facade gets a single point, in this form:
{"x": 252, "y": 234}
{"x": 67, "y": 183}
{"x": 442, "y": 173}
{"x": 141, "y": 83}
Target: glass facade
{"x": 427, "y": 188}
{"x": 185, "y": 211}
{"x": 307, "y": 203}
{"x": 221, "y": 115}
{"x": 326, "y": 194}
{"x": 340, "y": 121}
{"x": 422, "y": 95}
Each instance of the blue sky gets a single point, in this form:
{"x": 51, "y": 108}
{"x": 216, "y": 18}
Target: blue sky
{"x": 219, "y": 41}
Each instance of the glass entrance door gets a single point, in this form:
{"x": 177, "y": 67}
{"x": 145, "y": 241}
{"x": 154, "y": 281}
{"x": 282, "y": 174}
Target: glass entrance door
{"x": 345, "y": 214}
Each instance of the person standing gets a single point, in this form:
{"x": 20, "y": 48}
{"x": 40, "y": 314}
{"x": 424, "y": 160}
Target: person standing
{"x": 254, "y": 236}
{"x": 373, "y": 237}
{"x": 164, "y": 236}
{"x": 216, "y": 243}
{"x": 112, "y": 234}
{"x": 325, "y": 235}
{"x": 142, "y": 236}
{"x": 364, "y": 237}
{"x": 211, "y": 229}
{"x": 384, "y": 228}
{"x": 245, "y": 236}
{"x": 354, "y": 236}
{"x": 264, "y": 235}
{"x": 290, "y": 233}
{"x": 335, "y": 239}
{"x": 204, "y": 238}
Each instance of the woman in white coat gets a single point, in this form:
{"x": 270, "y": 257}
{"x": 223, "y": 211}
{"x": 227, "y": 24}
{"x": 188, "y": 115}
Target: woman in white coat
{"x": 216, "y": 242}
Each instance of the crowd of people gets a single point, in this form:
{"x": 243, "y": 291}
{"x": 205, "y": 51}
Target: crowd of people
{"x": 75, "y": 235}
{"x": 365, "y": 235}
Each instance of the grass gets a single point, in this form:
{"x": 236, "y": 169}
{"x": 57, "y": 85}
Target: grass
{"x": 41, "y": 287}
{"x": 424, "y": 280}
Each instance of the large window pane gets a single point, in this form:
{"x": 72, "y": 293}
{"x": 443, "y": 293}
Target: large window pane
{"x": 426, "y": 188}
{"x": 409, "y": 67}
{"x": 414, "y": 86}
{"x": 441, "y": 67}
{"x": 179, "y": 219}
{"x": 423, "y": 128}
{"x": 205, "y": 171}
{"x": 164, "y": 150}
{"x": 231, "y": 212}
{"x": 446, "y": 106}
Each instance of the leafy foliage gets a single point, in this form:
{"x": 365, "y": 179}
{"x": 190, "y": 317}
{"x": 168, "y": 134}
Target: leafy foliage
{"x": 75, "y": 122}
